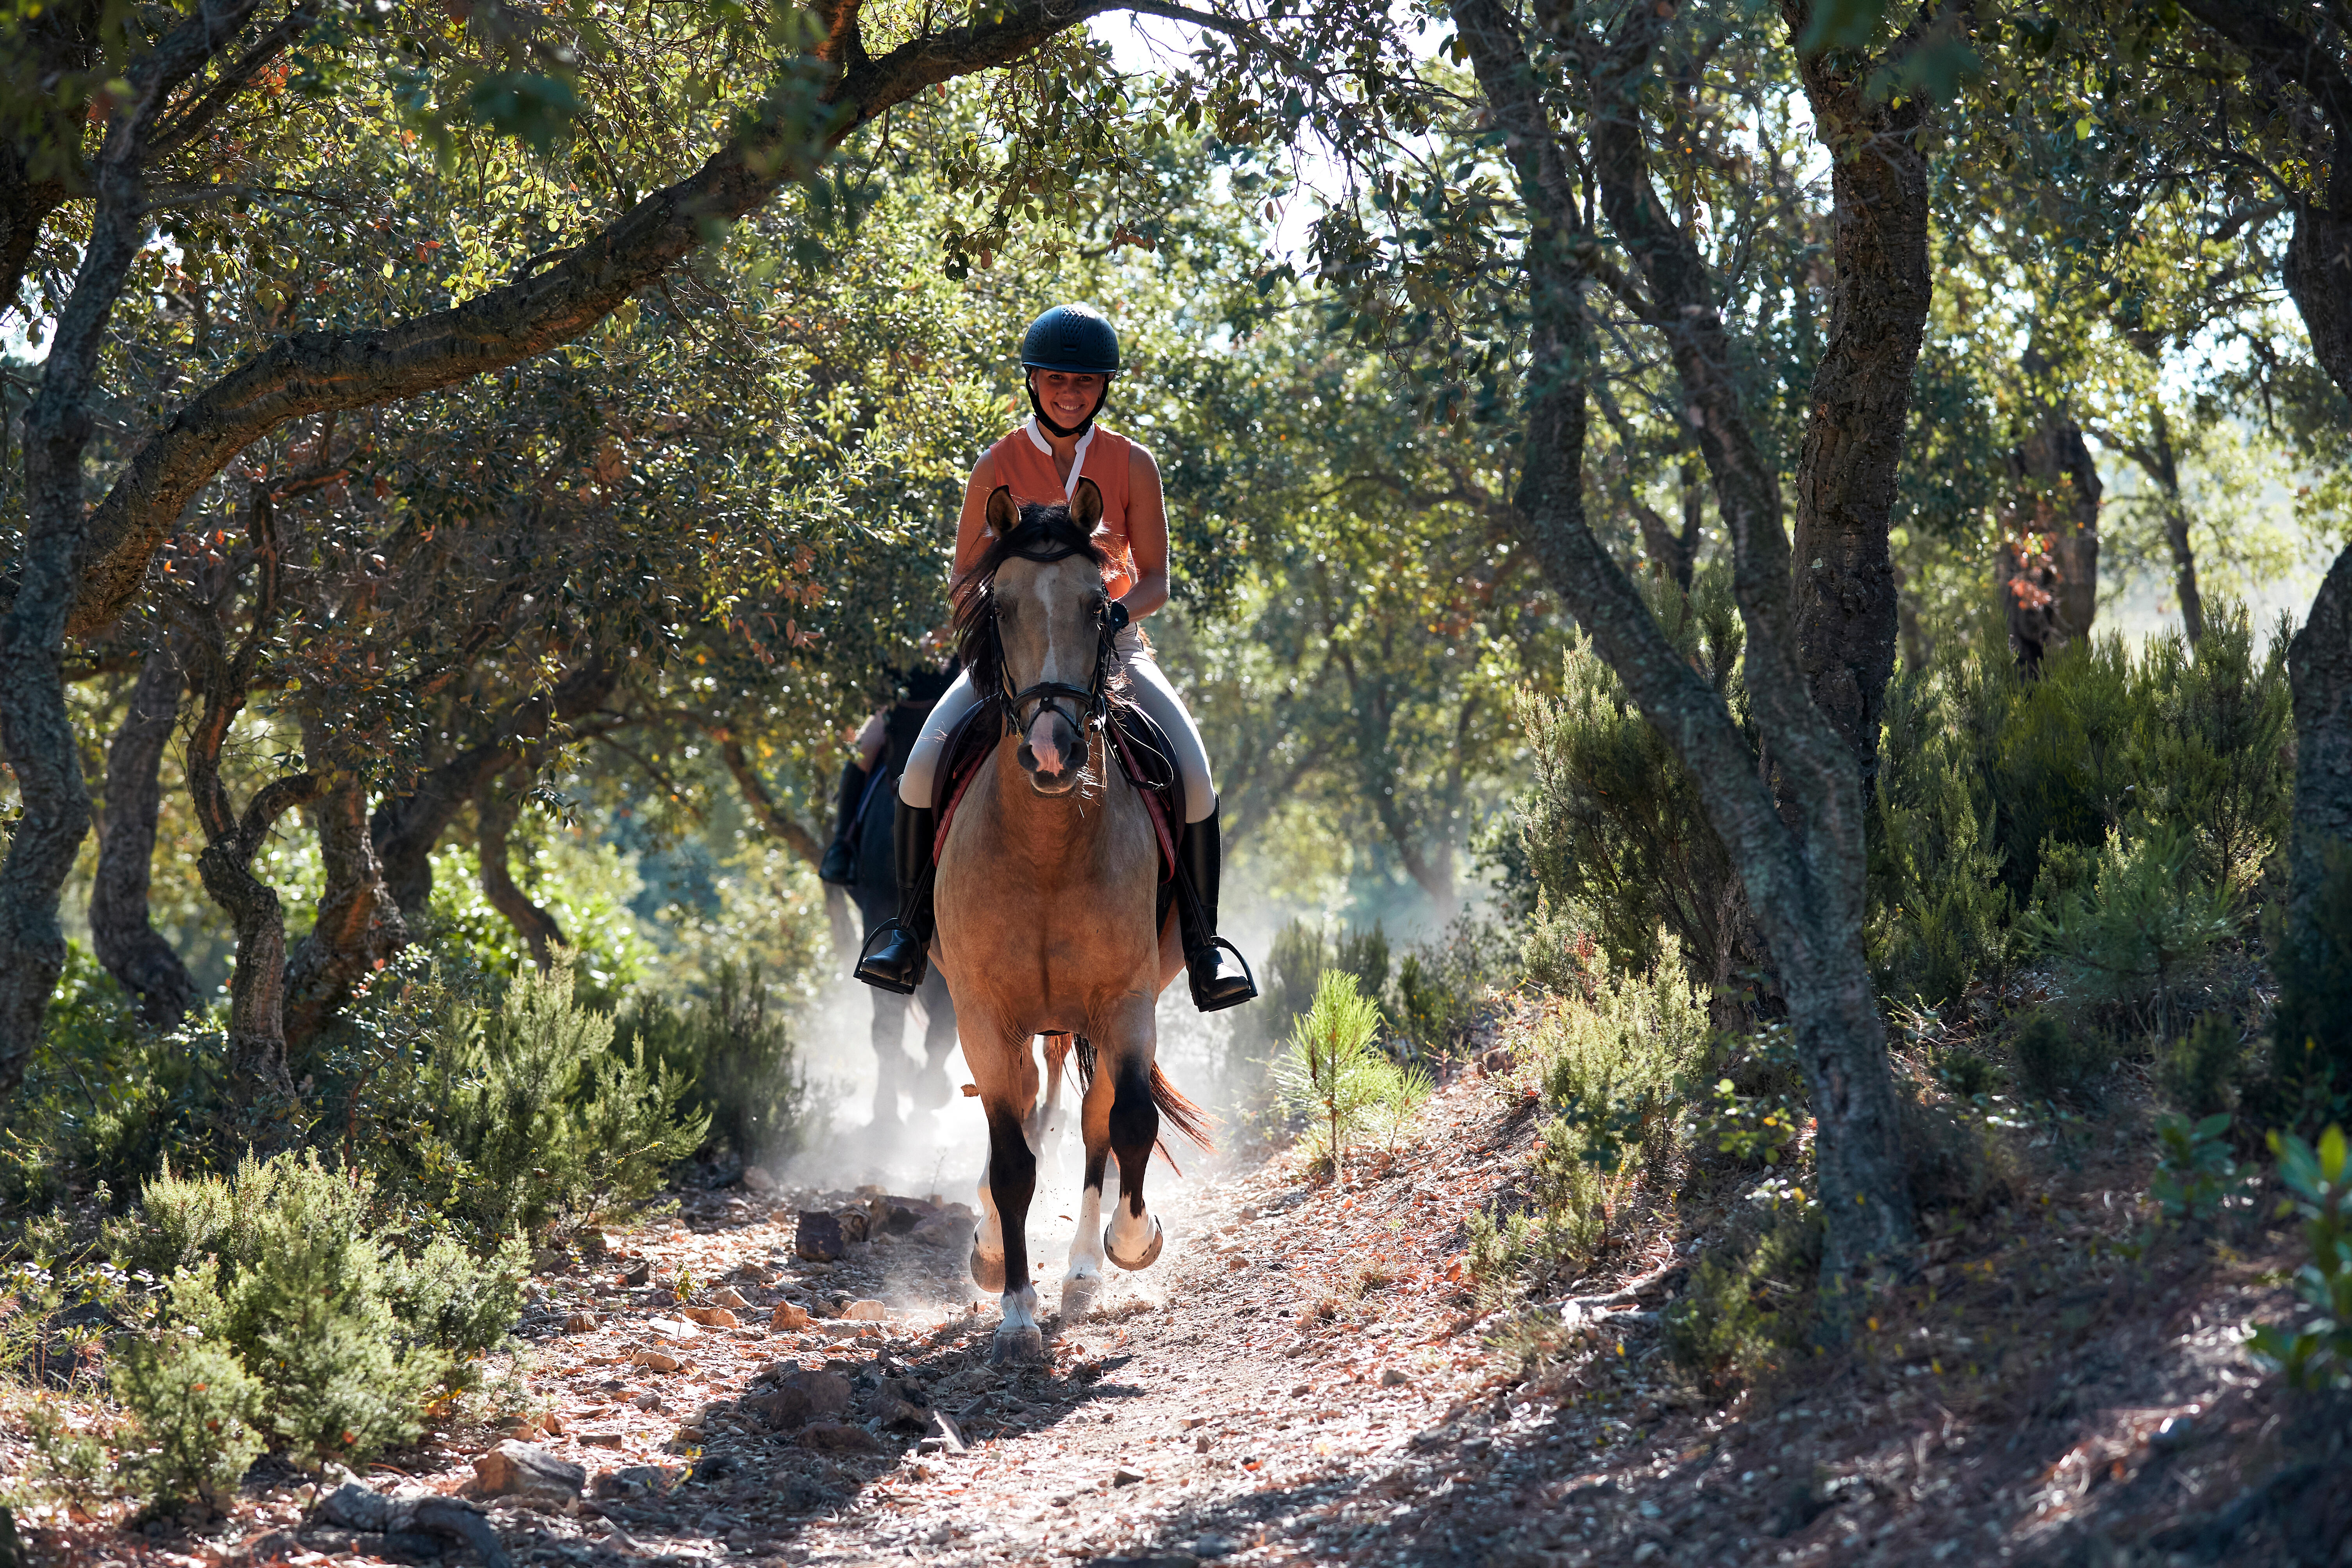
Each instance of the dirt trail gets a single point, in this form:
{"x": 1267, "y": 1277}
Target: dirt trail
{"x": 1255, "y": 1395}
{"x": 1305, "y": 1378}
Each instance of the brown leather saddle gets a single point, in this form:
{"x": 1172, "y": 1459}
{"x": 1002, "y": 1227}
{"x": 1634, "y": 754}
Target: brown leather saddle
{"x": 1145, "y": 759}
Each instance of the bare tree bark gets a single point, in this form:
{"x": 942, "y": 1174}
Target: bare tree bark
{"x": 35, "y": 730}
{"x": 126, "y": 940}
{"x": 494, "y": 819}
{"x": 1861, "y": 396}
{"x": 1804, "y": 880}
{"x": 257, "y": 996}
{"x": 2319, "y": 276}
{"x": 358, "y": 926}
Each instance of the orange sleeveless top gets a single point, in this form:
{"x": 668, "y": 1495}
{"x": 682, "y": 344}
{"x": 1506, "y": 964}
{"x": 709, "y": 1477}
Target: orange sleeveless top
{"x": 1027, "y": 469}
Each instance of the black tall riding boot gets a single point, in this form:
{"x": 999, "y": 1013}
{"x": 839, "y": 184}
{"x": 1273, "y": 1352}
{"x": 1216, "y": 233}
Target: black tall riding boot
{"x": 903, "y": 957}
{"x": 840, "y": 863}
{"x": 1220, "y": 977}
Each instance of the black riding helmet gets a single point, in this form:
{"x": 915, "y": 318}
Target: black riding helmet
{"x": 1076, "y": 340}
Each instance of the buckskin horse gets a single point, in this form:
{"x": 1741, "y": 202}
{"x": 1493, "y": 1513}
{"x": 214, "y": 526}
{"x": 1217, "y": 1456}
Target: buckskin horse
{"x": 1046, "y": 896}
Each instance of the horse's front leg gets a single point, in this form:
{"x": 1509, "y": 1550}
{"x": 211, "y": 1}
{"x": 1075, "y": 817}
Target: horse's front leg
{"x": 999, "y": 1253}
{"x": 1132, "y": 1239}
{"x": 1084, "y": 1280}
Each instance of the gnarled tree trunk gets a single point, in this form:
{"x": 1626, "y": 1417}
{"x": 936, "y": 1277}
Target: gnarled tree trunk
{"x": 494, "y": 819}
{"x": 358, "y": 926}
{"x": 1804, "y": 878}
{"x": 126, "y": 942}
{"x": 1861, "y": 397}
{"x": 407, "y": 828}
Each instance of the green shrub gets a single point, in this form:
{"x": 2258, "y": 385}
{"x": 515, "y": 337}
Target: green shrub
{"x": 1938, "y": 913}
{"x": 283, "y": 1268}
{"x": 2195, "y": 1072}
{"x": 1444, "y": 985}
{"x": 2319, "y": 1352}
{"x": 1747, "y": 1309}
{"x": 1614, "y": 1070}
{"x": 1556, "y": 950}
{"x": 2148, "y": 921}
{"x": 548, "y": 1126}
{"x": 1952, "y": 1159}
{"x": 742, "y": 1062}
{"x": 2194, "y": 1170}
{"x": 1612, "y": 823}
{"x": 193, "y": 1408}
{"x": 1999, "y": 799}
{"x": 68, "y": 1461}
{"x": 2053, "y": 1061}
{"x": 104, "y": 1097}
{"x": 1336, "y": 1075}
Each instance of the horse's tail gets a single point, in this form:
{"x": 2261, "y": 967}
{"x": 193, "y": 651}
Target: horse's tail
{"x": 1190, "y": 1119}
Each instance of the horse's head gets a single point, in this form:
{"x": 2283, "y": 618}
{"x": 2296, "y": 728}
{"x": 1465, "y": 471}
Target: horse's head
{"x": 1030, "y": 627}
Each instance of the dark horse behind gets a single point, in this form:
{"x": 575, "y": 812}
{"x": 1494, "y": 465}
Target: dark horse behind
{"x": 925, "y": 1083}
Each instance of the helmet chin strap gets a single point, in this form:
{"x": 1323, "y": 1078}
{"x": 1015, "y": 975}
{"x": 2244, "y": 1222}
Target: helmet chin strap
{"x": 1065, "y": 431}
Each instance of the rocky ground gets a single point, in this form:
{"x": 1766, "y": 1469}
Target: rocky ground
{"x": 1305, "y": 1377}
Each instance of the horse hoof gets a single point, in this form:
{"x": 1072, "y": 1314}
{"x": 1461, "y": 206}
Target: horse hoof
{"x": 1016, "y": 1347}
{"x": 1078, "y": 1293}
{"x": 930, "y": 1091}
{"x": 1151, "y": 1253}
{"x": 987, "y": 1272}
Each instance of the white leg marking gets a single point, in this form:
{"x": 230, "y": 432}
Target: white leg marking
{"x": 1018, "y": 1337}
{"x": 988, "y": 1240}
{"x": 1086, "y": 1248}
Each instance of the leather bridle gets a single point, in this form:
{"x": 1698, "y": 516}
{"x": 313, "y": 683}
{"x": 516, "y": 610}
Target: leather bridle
{"x": 1023, "y": 707}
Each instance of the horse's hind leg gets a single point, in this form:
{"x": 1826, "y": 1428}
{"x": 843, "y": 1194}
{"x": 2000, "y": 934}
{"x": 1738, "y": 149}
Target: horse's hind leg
{"x": 931, "y": 1089}
{"x": 1084, "y": 1280}
{"x": 889, "y": 1027}
{"x": 1047, "y": 1122}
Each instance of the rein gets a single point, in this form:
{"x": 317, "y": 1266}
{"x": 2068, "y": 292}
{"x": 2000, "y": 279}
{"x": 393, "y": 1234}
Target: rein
{"x": 1048, "y": 696}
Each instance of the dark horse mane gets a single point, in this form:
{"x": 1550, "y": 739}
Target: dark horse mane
{"x": 1044, "y": 533}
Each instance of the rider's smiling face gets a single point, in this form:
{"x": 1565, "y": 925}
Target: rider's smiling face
{"x": 1068, "y": 396}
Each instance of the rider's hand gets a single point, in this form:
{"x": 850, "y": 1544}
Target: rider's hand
{"x": 1115, "y": 618}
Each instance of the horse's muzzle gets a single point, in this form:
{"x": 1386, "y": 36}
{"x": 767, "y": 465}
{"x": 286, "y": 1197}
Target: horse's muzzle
{"x": 1052, "y": 754}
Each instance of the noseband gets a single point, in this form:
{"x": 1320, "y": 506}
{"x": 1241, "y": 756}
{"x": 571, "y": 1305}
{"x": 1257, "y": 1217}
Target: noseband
{"x": 1023, "y": 707}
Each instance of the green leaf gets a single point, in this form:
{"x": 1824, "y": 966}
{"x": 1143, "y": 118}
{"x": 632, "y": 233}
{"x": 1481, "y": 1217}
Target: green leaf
{"x": 1841, "y": 25}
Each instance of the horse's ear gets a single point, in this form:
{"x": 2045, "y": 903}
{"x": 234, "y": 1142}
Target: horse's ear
{"x": 1085, "y": 504}
{"x": 1003, "y": 513}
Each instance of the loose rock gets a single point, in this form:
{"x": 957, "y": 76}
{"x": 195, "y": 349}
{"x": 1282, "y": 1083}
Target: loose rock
{"x": 655, "y": 1361}
{"x": 525, "y": 1470}
{"x": 867, "y": 1312}
{"x": 788, "y": 1316}
{"x": 757, "y": 1178}
{"x": 712, "y": 1317}
{"x": 839, "y": 1436}
{"x": 728, "y": 1296}
{"x": 819, "y": 1239}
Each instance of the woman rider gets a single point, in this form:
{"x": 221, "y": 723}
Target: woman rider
{"x": 1068, "y": 357}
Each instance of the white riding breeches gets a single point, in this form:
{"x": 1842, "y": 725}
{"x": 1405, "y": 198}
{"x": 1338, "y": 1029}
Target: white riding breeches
{"x": 918, "y": 783}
